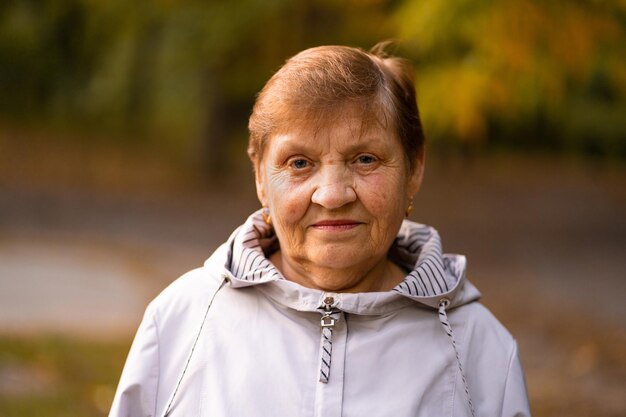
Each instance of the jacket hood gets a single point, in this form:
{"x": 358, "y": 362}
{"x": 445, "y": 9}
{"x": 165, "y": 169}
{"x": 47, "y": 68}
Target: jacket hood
{"x": 433, "y": 276}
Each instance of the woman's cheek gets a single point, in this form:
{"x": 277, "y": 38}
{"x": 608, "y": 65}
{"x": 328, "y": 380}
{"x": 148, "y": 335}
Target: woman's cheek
{"x": 278, "y": 184}
{"x": 380, "y": 189}
{"x": 299, "y": 200}
{"x": 383, "y": 199}
{"x": 290, "y": 198}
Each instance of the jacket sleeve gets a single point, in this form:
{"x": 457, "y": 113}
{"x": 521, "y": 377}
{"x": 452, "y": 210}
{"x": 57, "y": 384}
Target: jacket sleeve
{"x": 137, "y": 390}
{"x": 515, "y": 401}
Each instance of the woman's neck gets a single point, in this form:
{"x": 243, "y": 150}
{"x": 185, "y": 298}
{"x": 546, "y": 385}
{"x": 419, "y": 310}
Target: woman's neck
{"x": 381, "y": 276}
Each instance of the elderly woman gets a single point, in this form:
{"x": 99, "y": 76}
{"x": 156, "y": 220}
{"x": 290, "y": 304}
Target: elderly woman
{"x": 327, "y": 302}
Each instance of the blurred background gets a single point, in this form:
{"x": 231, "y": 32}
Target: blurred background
{"x": 122, "y": 165}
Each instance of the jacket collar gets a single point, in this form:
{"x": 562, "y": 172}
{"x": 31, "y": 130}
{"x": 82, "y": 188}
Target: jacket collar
{"x": 417, "y": 247}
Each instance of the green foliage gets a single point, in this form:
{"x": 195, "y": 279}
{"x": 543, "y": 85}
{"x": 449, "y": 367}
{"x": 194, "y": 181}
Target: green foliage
{"x": 183, "y": 74}
{"x": 49, "y": 51}
{"x": 526, "y": 72}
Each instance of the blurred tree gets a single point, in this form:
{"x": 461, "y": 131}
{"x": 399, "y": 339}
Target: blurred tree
{"x": 47, "y": 56}
{"x": 178, "y": 74}
{"x": 182, "y": 74}
{"x": 525, "y": 72}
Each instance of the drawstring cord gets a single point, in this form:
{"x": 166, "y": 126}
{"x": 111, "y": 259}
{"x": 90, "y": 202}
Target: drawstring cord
{"x": 443, "y": 318}
{"x": 193, "y": 347}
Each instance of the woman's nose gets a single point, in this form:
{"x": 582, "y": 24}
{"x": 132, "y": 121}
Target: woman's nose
{"x": 335, "y": 190}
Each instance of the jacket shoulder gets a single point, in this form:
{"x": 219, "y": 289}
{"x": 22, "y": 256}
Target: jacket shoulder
{"x": 491, "y": 362}
{"x": 481, "y": 324}
{"x": 493, "y": 366}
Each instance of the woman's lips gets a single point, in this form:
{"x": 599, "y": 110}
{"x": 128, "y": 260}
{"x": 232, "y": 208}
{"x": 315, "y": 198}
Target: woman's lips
{"x": 336, "y": 225}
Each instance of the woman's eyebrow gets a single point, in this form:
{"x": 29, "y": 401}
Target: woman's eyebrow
{"x": 297, "y": 147}
{"x": 366, "y": 141}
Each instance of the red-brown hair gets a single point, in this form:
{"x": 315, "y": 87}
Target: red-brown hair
{"x": 314, "y": 87}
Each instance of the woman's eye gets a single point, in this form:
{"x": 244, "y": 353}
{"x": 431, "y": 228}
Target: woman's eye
{"x": 299, "y": 163}
{"x": 366, "y": 159}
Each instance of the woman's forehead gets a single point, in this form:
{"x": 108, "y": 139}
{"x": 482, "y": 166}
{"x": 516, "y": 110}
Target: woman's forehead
{"x": 354, "y": 119}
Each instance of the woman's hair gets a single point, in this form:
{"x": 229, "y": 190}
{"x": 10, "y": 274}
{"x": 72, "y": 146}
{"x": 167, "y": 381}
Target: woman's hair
{"x": 319, "y": 85}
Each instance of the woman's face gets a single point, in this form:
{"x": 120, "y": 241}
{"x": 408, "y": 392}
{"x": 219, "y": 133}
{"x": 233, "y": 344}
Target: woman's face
{"x": 337, "y": 196}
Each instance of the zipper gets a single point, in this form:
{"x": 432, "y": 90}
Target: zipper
{"x": 329, "y": 319}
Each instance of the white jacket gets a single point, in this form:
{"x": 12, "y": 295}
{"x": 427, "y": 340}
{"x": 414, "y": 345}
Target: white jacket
{"x": 234, "y": 338}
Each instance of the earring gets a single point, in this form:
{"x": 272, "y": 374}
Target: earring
{"x": 409, "y": 209}
{"x": 265, "y": 212}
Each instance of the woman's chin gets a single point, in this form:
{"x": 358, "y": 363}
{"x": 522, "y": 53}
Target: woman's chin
{"x": 341, "y": 258}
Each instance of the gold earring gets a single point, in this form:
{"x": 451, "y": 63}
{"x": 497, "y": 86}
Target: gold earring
{"x": 265, "y": 212}
{"x": 409, "y": 209}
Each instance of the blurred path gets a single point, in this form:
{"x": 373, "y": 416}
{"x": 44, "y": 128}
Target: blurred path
{"x": 88, "y": 263}
{"x": 61, "y": 285}
{"x": 558, "y": 227}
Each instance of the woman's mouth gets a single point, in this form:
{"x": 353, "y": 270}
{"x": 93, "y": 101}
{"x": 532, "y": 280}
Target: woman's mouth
{"x": 336, "y": 225}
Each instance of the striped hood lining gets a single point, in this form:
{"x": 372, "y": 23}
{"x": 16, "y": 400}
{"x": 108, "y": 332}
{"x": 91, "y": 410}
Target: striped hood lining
{"x": 250, "y": 248}
{"x": 417, "y": 248}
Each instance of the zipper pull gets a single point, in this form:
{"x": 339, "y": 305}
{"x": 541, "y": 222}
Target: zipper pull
{"x": 327, "y": 320}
